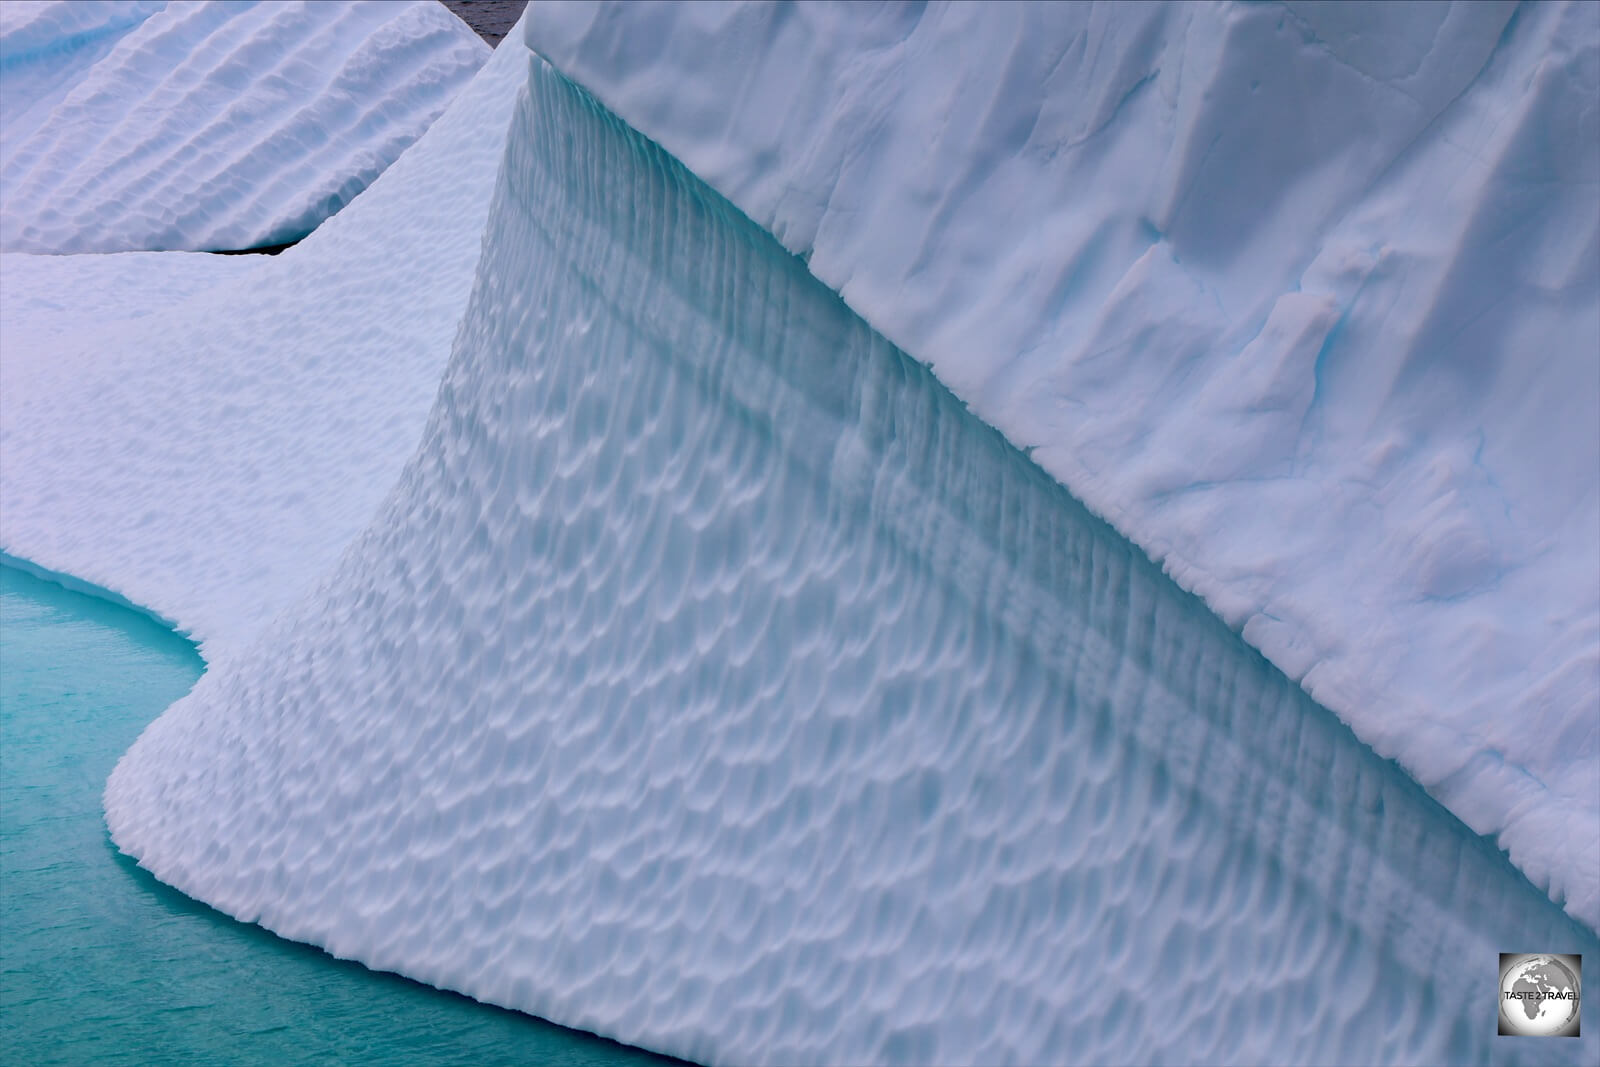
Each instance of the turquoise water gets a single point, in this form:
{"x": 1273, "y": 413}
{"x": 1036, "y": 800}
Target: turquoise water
{"x": 100, "y": 963}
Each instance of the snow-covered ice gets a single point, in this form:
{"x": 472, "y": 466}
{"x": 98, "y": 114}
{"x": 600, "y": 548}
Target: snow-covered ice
{"x": 1303, "y": 298}
{"x": 210, "y": 125}
{"x": 700, "y": 672}
{"x": 204, "y": 434}
{"x": 713, "y": 681}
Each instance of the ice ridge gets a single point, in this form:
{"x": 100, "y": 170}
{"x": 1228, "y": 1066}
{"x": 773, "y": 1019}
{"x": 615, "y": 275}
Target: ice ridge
{"x": 714, "y": 681}
{"x": 1303, "y": 298}
{"x": 211, "y": 125}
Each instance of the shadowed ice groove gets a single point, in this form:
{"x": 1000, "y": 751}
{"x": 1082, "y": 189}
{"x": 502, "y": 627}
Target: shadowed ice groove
{"x": 713, "y": 681}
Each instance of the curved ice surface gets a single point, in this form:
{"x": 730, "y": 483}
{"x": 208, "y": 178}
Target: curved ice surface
{"x": 204, "y": 434}
{"x": 127, "y": 126}
{"x": 1304, "y": 298}
{"x": 713, "y": 681}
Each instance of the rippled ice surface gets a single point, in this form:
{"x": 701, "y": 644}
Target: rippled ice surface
{"x": 100, "y": 963}
{"x": 715, "y": 681}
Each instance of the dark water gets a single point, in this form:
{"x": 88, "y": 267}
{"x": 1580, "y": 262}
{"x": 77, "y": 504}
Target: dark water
{"x": 100, "y": 963}
{"x": 489, "y": 19}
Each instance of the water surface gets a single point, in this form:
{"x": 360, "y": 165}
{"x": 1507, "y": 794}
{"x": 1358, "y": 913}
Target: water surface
{"x": 100, "y": 963}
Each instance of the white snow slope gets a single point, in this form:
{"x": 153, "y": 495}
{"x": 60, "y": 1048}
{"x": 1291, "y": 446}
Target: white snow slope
{"x": 713, "y": 681}
{"x": 1303, "y": 298}
{"x": 204, "y": 434}
{"x": 212, "y": 125}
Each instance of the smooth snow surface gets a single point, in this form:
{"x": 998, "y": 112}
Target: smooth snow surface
{"x": 1303, "y": 298}
{"x": 212, "y": 125}
{"x": 204, "y": 434}
{"x": 711, "y": 680}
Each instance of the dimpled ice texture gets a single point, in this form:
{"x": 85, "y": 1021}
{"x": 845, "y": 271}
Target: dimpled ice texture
{"x": 1303, "y": 298}
{"x": 713, "y": 681}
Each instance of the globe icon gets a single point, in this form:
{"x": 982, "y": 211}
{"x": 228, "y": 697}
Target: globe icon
{"x": 1538, "y": 996}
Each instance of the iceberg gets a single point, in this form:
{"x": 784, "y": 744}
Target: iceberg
{"x": 614, "y": 614}
{"x": 712, "y": 680}
{"x": 1303, "y": 298}
{"x": 209, "y": 126}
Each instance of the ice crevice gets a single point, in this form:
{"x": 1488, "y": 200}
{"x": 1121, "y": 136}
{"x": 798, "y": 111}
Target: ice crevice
{"x": 712, "y": 679}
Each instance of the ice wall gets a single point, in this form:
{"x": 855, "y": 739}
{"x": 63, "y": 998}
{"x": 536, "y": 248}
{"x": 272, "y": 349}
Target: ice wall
{"x": 1303, "y": 298}
{"x": 713, "y": 681}
{"x": 204, "y": 435}
{"x": 210, "y": 125}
